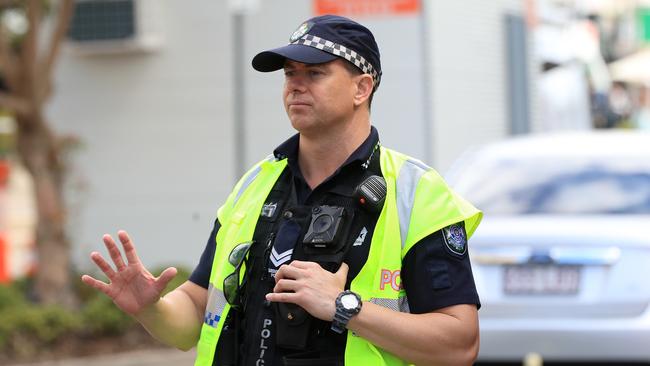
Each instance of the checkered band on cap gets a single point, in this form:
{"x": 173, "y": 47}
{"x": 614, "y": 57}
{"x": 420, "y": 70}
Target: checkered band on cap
{"x": 341, "y": 51}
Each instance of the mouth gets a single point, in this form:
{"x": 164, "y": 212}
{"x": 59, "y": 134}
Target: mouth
{"x": 297, "y": 104}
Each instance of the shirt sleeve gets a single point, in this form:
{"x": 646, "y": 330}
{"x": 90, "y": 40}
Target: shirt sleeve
{"x": 201, "y": 274}
{"x": 435, "y": 275}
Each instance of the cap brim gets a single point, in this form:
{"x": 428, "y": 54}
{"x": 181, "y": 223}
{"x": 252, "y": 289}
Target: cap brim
{"x": 274, "y": 59}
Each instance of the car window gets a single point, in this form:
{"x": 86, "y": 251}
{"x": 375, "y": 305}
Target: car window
{"x": 557, "y": 186}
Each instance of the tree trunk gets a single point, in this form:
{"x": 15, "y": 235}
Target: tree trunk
{"x": 39, "y": 151}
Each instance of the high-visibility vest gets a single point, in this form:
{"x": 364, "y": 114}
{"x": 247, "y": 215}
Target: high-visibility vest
{"x": 418, "y": 203}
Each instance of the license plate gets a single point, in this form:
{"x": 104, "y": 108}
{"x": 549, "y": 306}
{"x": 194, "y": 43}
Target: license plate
{"x": 541, "y": 280}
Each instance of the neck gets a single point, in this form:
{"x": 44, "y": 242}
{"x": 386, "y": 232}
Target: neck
{"x": 321, "y": 154}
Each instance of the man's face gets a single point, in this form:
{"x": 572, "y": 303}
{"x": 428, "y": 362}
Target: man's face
{"x": 318, "y": 96}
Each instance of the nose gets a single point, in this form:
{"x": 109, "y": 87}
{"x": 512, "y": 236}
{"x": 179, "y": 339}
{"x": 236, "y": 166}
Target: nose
{"x": 295, "y": 84}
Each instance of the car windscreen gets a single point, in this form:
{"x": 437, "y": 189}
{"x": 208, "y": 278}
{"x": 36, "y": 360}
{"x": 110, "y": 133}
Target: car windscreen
{"x": 560, "y": 186}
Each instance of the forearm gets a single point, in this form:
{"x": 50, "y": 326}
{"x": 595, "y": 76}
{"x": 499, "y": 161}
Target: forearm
{"x": 173, "y": 320}
{"x": 439, "y": 338}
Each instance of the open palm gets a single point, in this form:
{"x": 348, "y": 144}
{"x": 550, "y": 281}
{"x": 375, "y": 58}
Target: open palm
{"x": 132, "y": 287}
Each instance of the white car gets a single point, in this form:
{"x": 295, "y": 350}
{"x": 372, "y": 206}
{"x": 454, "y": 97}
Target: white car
{"x": 562, "y": 258}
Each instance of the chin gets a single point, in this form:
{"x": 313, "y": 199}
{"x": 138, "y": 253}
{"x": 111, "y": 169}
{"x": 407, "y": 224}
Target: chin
{"x": 301, "y": 124}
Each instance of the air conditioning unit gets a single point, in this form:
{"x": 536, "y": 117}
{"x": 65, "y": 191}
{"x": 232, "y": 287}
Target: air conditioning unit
{"x": 116, "y": 26}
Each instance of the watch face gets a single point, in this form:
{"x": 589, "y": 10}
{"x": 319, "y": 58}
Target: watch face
{"x": 349, "y": 301}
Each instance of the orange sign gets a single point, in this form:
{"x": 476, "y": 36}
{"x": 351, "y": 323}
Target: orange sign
{"x": 4, "y": 261}
{"x": 4, "y": 172}
{"x": 366, "y": 7}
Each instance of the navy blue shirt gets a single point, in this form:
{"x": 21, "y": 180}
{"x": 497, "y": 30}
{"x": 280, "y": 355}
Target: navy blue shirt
{"x": 433, "y": 274}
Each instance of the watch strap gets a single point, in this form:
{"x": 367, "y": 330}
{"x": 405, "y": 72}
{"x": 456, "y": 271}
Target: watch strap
{"x": 342, "y": 315}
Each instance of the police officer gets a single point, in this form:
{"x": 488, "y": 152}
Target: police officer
{"x": 334, "y": 250}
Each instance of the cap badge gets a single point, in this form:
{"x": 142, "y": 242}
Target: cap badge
{"x": 301, "y": 31}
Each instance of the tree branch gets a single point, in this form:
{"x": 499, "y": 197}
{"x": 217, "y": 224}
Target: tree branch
{"x": 29, "y": 46}
{"x": 8, "y": 64}
{"x": 62, "y": 22}
{"x": 14, "y": 104}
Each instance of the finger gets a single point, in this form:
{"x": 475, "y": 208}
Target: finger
{"x": 342, "y": 273}
{"x": 287, "y": 271}
{"x": 165, "y": 277}
{"x": 99, "y": 285}
{"x": 114, "y": 252}
{"x": 304, "y": 264}
{"x": 103, "y": 265}
{"x": 286, "y": 286}
{"x": 129, "y": 248}
{"x": 282, "y": 297}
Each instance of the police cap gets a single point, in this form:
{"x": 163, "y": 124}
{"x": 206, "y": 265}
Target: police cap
{"x": 323, "y": 39}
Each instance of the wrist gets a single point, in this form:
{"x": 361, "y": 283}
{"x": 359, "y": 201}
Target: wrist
{"x": 347, "y": 305}
{"x": 149, "y": 311}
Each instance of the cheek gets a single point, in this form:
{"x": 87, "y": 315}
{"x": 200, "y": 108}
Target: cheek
{"x": 285, "y": 92}
{"x": 343, "y": 96}
{"x": 285, "y": 96}
{"x": 345, "y": 90}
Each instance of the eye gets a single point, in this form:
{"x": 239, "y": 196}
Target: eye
{"x": 315, "y": 72}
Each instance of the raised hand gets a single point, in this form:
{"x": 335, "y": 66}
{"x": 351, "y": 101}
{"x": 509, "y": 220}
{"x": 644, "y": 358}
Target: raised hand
{"x": 132, "y": 287}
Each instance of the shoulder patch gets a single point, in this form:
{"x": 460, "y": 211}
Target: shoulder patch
{"x": 455, "y": 238}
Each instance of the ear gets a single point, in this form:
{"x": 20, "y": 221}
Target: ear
{"x": 364, "y": 84}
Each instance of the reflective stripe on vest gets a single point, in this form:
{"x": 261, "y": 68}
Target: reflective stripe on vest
{"x": 407, "y": 183}
{"x": 400, "y": 304}
{"x": 216, "y": 304}
{"x": 250, "y": 177}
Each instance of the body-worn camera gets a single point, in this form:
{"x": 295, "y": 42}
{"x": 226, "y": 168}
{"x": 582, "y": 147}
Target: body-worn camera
{"x": 324, "y": 226}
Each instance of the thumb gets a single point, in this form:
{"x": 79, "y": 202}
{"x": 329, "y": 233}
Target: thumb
{"x": 342, "y": 273}
{"x": 165, "y": 277}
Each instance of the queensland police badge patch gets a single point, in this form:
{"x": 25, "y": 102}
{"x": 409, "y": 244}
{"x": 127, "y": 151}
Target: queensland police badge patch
{"x": 301, "y": 31}
{"x": 455, "y": 238}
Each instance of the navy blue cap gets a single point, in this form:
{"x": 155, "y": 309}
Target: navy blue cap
{"x": 323, "y": 39}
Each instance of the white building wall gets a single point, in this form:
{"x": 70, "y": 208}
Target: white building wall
{"x": 155, "y": 136}
{"x": 468, "y": 74}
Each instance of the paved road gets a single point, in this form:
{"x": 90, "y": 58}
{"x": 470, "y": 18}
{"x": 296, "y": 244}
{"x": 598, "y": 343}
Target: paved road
{"x": 163, "y": 357}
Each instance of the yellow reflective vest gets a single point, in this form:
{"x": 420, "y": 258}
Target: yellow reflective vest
{"x": 418, "y": 203}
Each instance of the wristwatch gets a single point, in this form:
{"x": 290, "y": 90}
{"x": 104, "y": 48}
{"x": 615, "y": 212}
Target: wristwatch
{"x": 348, "y": 304}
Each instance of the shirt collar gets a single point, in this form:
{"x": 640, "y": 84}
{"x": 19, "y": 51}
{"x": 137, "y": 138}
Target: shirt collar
{"x": 363, "y": 154}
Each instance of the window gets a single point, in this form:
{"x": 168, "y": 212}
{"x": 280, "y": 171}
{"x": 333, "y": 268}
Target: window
{"x": 561, "y": 186}
{"x": 101, "y": 20}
